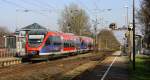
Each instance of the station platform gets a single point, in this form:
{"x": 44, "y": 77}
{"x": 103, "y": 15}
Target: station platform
{"x": 9, "y": 61}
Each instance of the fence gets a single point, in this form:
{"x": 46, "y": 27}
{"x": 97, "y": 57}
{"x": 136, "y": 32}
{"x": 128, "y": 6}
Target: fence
{"x": 7, "y": 46}
{"x": 7, "y": 53}
{"x": 2, "y": 42}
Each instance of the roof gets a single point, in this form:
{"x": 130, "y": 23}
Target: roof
{"x": 34, "y": 26}
{"x": 37, "y": 32}
{"x": 53, "y": 33}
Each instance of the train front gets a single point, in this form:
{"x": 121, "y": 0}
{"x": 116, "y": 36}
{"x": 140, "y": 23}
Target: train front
{"x": 34, "y": 43}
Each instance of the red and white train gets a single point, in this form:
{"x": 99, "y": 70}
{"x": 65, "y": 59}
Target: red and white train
{"x": 39, "y": 43}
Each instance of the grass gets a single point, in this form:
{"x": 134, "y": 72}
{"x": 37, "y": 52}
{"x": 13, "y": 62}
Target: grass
{"x": 142, "y": 71}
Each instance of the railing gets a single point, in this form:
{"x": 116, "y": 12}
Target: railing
{"x": 7, "y": 46}
{"x": 7, "y": 53}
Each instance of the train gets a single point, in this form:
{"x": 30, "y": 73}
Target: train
{"x": 40, "y": 44}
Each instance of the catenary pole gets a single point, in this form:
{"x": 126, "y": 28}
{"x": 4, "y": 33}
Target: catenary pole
{"x": 133, "y": 34}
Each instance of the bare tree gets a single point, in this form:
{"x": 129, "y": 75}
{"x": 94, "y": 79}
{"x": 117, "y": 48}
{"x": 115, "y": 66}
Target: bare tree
{"x": 144, "y": 18}
{"x": 74, "y": 20}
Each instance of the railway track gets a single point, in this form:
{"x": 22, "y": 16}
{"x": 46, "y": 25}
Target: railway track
{"x": 9, "y": 61}
{"x": 5, "y": 62}
{"x": 56, "y": 57}
{"x": 48, "y": 70}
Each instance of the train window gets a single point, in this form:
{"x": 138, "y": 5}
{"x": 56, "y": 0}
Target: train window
{"x": 56, "y": 39}
{"x": 66, "y": 44}
{"x": 36, "y": 39}
{"x": 57, "y": 43}
{"x": 82, "y": 43}
{"x": 48, "y": 41}
{"x": 72, "y": 44}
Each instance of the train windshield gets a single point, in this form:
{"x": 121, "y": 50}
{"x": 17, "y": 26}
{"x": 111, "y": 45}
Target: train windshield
{"x": 53, "y": 40}
{"x": 35, "y": 40}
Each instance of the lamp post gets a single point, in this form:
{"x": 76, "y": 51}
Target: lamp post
{"x": 133, "y": 34}
{"x": 130, "y": 41}
{"x": 127, "y": 16}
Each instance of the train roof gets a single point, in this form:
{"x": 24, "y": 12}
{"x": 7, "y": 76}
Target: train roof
{"x": 53, "y": 33}
{"x": 68, "y": 36}
{"x": 40, "y": 32}
{"x": 86, "y": 39}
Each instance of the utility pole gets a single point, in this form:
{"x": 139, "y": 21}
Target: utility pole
{"x": 133, "y": 34}
{"x": 95, "y": 32}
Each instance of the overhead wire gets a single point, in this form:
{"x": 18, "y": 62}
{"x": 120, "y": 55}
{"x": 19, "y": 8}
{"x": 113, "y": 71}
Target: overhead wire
{"x": 95, "y": 11}
{"x": 12, "y": 3}
{"x": 53, "y": 9}
{"x": 19, "y": 6}
{"x": 81, "y": 3}
{"x": 32, "y": 4}
{"x": 44, "y": 3}
{"x": 40, "y": 2}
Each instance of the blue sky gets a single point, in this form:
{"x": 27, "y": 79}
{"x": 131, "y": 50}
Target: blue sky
{"x": 47, "y": 12}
